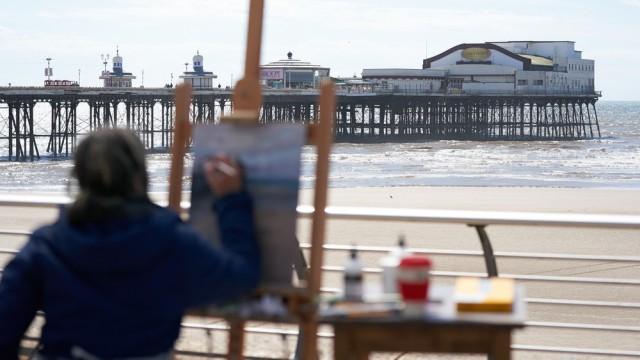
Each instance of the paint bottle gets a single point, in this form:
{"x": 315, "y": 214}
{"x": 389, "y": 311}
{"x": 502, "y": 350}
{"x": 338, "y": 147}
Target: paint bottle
{"x": 389, "y": 265}
{"x": 353, "y": 277}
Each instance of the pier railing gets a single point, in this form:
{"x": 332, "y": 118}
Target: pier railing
{"x": 459, "y": 218}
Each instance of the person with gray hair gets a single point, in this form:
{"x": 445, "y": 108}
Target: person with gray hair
{"x": 114, "y": 274}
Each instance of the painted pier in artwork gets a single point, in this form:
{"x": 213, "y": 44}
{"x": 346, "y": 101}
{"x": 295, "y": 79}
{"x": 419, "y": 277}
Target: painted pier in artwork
{"x": 36, "y": 122}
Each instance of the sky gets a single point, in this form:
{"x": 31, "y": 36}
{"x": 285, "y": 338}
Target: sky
{"x": 159, "y": 36}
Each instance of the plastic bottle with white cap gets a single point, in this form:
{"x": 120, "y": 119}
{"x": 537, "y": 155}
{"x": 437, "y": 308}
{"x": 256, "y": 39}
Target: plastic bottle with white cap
{"x": 389, "y": 265}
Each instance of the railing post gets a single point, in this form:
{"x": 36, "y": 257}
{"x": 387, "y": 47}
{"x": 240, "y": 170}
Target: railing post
{"x": 487, "y": 250}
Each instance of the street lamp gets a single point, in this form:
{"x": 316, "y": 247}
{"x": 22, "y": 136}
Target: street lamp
{"x": 105, "y": 60}
{"x": 48, "y": 72}
{"x": 186, "y": 67}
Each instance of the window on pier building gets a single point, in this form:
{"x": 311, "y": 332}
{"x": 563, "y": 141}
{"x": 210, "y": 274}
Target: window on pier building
{"x": 538, "y": 82}
{"x": 522, "y": 82}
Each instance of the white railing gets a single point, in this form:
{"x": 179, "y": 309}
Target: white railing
{"x": 470, "y": 218}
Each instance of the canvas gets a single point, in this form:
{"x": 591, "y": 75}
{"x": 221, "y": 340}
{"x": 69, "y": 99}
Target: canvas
{"x": 270, "y": 157}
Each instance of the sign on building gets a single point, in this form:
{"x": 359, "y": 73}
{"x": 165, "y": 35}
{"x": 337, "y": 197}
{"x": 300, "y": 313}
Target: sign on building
{"x": 271, "y": 74}
{"x": 476, "y": 54}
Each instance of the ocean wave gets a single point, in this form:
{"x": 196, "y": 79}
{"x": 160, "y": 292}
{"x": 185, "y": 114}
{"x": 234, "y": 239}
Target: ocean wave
{"x": 610, "y": 161}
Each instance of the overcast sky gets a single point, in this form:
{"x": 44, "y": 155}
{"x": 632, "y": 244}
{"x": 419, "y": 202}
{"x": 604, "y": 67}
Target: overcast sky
{"x": 159, "y": 36}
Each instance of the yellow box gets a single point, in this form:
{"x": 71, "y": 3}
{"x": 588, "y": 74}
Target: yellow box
{"x": 484, "y": 294}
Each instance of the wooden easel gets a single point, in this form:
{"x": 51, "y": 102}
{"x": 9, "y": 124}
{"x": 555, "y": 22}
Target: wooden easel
{"x": 247, "y": 100}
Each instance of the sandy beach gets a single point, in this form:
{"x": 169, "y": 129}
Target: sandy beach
{"x": 460, "y": 237}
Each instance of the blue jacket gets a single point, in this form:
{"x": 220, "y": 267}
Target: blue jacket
{"x": 120, "y": 288}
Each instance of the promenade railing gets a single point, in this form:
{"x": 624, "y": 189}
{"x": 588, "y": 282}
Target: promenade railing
{"x": 478, "y": 219}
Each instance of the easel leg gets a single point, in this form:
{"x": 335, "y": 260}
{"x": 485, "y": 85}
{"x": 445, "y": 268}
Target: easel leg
{"x": 300, "y": 267}
{"x": 299, "y": 344}
{"x": 236, "y": 341}
{"x": 309, "y": 340}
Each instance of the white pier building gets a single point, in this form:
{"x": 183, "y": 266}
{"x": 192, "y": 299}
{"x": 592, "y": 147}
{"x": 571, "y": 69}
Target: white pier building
{"x": 513, "y": 67}
{"x": 198, "y": 78}
{"x": 292, "y": 73}
{"x": 117, "y": 78}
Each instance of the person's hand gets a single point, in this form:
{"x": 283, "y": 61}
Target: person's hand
{"x": 223, "y": 174}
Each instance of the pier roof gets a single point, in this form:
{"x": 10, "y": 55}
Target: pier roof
{"x": 290, "y": 62}
{"x": 490, "y": 46}
{"x": 403, "y": 73}
{"x": 538, "y": 60}
{"x": 532, "y": 41}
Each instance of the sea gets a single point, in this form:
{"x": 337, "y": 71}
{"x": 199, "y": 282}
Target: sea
{"x": 612, "y": 161}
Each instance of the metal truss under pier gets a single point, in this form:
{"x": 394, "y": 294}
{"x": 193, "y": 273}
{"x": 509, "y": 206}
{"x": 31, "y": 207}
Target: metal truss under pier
{"x": 44, "y": 121}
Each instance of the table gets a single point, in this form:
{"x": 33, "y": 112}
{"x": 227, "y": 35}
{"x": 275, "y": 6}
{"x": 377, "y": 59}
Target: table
{"x": 440, "y": 330}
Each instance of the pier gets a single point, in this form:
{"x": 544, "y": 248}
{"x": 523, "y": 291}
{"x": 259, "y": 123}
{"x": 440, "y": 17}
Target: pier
{"x": 362, "y": 115}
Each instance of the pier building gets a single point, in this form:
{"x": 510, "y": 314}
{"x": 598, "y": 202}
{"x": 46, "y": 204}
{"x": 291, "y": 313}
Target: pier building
{"x": 498, "y": 68}
{"x": 555, "y": 65}
{"x": 487, "y": 91}
{"x": 407, "y": 80}
{"x": 198, "y": 78}
{"x": 292, "y": 74}
{"x": 117, "y": 78}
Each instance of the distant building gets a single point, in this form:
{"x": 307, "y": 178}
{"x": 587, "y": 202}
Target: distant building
{"x": 198, "y": 78}
{"x": 413, "y": 80}
{"x": 118, "y": 78}
{"x": 353, "y": 84}
{"x": 556, "y": 66}
{"x": 292, "y": 73}
{"x": 522, "y": 67}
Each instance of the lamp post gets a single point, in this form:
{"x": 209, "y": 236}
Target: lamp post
{"x": 105, "y": 60}
{"x": 48, "y": 71}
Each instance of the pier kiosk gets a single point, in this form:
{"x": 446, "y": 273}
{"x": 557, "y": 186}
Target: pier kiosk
{"x": 117, "y": 78}
{"x": 198, "y": 78}
{"x": 292, "y": 73}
